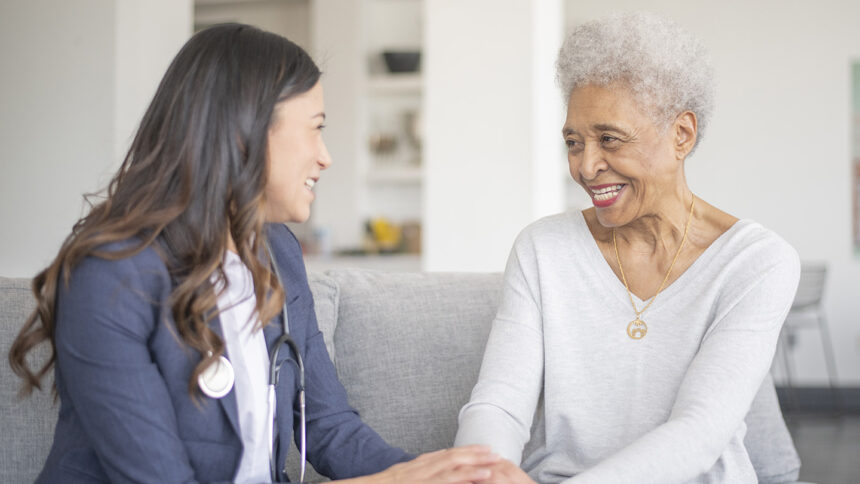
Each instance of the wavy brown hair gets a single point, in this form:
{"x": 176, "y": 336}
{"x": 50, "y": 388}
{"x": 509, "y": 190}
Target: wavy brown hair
{"x": 195, "y": 172}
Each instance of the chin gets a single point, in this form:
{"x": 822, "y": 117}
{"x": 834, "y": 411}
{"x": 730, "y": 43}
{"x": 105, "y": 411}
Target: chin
{"x": 299, "y": 216}
{"x": 286, "y": 217}
{"x": 606, "y": 219}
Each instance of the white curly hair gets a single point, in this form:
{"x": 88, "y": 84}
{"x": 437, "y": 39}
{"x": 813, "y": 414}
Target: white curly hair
{"x": 666, "y": 68}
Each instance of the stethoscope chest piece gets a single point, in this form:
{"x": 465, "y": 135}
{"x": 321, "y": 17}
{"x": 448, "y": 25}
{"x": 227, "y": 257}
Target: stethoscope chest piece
{"x": 216, "y": 381}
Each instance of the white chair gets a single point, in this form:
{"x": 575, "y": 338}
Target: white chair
{"x": 807, "y": 311}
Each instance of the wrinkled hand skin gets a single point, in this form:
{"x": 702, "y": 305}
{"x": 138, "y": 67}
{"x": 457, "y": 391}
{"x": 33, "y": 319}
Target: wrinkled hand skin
{"x": 506, "y": 472}
{"x": 460, "y": 465}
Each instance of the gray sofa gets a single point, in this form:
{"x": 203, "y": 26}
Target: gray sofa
{"x": 407, "y": 346}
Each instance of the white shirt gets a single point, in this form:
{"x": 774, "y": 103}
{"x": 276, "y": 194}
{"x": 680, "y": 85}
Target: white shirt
{"x": 667, "y": 408}
{"x": 246, "y": 350}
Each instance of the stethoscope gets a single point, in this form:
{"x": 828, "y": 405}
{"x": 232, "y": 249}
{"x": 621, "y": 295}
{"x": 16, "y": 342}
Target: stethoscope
{"x": 217, "y": 381}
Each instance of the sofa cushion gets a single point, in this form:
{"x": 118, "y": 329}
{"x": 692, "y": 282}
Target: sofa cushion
{"x": 325, "y": 292}
{"x": 28, "y": 424}
{"x": 409, "y": 348}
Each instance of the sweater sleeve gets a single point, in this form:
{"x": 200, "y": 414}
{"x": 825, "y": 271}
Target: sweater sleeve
{"x": 500, "y": 411}
{"x": 718, "y": 387}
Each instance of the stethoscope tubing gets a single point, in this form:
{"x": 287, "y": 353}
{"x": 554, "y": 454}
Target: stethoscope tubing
{"x": 274, "y": 370}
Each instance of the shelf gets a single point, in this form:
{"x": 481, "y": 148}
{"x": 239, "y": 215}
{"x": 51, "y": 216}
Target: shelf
{"x": 387, "y": 263}
{"x": 395, "y": 175}
{"x": 408, "y": 83}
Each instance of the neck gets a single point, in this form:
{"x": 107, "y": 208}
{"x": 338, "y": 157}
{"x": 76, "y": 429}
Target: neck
{"x": 659, "y": 231}
{"x": 231, "y": 246}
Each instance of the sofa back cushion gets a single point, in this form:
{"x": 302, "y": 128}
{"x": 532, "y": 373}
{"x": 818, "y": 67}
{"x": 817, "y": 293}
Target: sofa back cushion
{"x": 409, "y": 347}
{"x": 28, "y": 424}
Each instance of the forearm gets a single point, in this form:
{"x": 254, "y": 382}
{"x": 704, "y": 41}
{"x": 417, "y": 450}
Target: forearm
{"x": 502, "y": 406}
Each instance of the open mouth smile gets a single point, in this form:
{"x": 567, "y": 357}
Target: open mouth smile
{"x": 605, "y": 195}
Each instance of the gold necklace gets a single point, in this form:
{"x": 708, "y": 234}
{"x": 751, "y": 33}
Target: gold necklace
{"x": 637, "y": 329}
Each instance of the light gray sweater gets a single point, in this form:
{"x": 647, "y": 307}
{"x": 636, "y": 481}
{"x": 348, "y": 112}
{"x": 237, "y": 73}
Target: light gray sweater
{"x": 667, "y": 408}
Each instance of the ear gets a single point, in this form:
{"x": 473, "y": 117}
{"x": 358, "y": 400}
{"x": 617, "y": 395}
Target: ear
{"x": 685, "y": 130}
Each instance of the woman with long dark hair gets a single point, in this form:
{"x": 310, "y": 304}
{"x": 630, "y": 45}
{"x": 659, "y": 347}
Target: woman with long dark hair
{"x": 172, "y": 305}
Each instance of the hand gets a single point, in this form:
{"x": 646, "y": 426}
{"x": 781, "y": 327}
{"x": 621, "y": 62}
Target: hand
{"x": 460, "y": 465}
{"x": 506, "y": 472}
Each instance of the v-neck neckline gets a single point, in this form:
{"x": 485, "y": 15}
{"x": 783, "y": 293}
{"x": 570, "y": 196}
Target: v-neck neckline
{"x": 604, "y": 270}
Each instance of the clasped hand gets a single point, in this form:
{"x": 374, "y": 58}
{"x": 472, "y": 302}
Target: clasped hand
{"x": 474, "y": 464}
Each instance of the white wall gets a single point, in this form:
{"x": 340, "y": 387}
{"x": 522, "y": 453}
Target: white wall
{"x": 76, "y": 77}
{"x": 148, "y": 35}
{"x": 778, "y": 148}
{"x": 337, "y": 48}
{"x": 493, "y": 162}
{"x": 288, "y": 18}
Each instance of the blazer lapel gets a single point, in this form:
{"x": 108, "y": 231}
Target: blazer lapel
{"x": 228, "y": 401}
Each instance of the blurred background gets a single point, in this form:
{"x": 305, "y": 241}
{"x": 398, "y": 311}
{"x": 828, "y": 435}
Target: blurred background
{"x": 444, "y": 126}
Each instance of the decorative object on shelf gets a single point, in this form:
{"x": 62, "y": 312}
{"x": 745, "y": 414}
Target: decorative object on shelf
{"x": 402, "y": 61}
{"x": 383, "y": 236}
{"x": 382, "y": 143}
{"x": 411, "y": 237}
{"x": 412, "y": 126}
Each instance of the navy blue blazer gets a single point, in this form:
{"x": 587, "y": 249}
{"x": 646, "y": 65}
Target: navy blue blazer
{"x": 122, "y": 376}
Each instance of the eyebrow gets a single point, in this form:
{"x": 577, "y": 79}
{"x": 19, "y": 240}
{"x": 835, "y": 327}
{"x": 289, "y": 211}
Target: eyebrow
{"x": 608, "y": 127}
{"x": 566, "y": 131}
{"x": 321, "y": 114}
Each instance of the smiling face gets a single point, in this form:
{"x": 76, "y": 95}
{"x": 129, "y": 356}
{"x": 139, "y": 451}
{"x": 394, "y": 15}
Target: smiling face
{"x": 628, "y": 166}
{"x": 296, "y": 156}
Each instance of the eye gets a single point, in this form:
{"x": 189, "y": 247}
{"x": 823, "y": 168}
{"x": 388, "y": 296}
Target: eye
{"x": 573, "y": 146}
{"x": 609, "y": 141}
{"x": 321, "y": 127}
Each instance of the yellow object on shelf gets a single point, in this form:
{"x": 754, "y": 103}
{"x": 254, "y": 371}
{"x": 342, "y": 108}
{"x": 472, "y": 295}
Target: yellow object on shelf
{"x": 387, "y": 236}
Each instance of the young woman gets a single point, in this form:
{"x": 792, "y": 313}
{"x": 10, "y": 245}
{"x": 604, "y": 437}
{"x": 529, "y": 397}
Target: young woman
{"x": 185, "y": 345}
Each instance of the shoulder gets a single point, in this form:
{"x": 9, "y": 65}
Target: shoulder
{"x": 552, "y": 230}
{"x": 758, "y": 246}
{"x": 106, "y": 290}
{"x": 755, "y": 256}
{"x": 106, "y": 270}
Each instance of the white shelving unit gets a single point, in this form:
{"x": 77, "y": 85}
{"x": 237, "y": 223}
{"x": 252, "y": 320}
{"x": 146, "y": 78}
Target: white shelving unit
{"x": 392, "y": 181}
{"x": 386, "y": 84}
{"x": 395, "y": 175}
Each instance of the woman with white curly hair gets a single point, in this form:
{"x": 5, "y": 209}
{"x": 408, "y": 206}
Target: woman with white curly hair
{"x": 640, "y": 329}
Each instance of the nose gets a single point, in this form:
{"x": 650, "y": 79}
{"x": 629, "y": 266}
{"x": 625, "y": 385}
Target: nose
{"x": 592, "y": 162}
{"x": 324, "y": 157}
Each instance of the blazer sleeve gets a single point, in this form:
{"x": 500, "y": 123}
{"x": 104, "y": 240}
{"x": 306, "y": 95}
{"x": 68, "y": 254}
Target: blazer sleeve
{"x": 340, "y": 444}
{"x": 105, "y": 316}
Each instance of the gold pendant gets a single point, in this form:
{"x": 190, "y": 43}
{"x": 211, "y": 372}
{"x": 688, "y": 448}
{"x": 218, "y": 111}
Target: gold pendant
{"x": 637, "y": 329}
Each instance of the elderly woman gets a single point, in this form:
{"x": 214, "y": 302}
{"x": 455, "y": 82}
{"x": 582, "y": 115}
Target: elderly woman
{"x": 641, "y": 328}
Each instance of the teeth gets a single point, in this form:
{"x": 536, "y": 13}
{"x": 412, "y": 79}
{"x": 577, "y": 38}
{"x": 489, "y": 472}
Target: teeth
{"x": 310, "y": 183}
{"x": 612, "y": 188}
{"x": 607, "y": 192}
